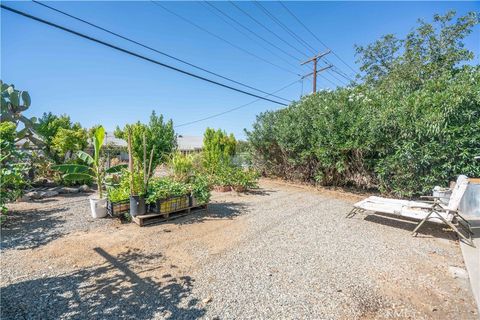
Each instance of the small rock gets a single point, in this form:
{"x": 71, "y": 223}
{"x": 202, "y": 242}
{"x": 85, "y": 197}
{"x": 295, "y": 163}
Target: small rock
{"x": 84, "y": 188}
{"x": 23, "y": 198}
{"x": 207, "y": 300}
{"x": 68, "y": 190}
{"x": 47, "y": 194}
{"x": 457, "y": 272}
{"x": 33, "y": 195}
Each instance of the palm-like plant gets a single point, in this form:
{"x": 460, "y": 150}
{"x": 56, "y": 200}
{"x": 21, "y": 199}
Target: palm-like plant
{"x": 93, "y": 168}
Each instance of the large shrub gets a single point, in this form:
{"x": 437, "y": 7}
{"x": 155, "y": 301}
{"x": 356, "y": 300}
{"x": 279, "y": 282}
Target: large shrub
{"x": 218, "y": 149}
{"x": 413, "y": 123}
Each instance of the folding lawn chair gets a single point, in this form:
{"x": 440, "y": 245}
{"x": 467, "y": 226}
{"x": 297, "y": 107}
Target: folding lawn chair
{"x": 432, "y": 210}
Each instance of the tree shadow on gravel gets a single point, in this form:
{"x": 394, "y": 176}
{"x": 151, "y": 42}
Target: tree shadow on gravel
{"x": 30, "y": 229}
{"x": 112, "y": 290}
{"x": 428, "y": 229}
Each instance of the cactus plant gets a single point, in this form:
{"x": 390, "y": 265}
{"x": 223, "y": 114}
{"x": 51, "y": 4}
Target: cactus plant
{"x": 13, "y": 103}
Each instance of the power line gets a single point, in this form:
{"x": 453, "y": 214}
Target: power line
{"x": 249, "y": 30}
{"x": 341, "y": 74}
{"x": 336, "y": 78}
{"x": 152, "y": 49}
{"x": 284, "y": 27}
{"x": 315, "y": 36}
{"x": 221, "y": 38}
{"x": 266, "y": 28}
{"x": 134, "y": 54}
{"x": 233, "y": 109}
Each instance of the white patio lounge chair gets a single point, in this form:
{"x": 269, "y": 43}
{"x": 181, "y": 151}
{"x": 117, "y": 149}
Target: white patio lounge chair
{"x": 433, "y": 210}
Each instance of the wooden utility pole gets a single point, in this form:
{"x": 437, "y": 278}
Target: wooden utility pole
{"x": 315, "y": 71}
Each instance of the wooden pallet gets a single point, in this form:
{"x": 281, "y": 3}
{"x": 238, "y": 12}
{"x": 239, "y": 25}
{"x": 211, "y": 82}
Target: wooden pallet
{"x": 153, "y": 218}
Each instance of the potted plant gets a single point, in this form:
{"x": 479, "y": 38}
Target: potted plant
{"x": 200, "y": 191}
{"x": 93, "y": 169}
{"x": 242, "y": 180}
{"x": 138, "y": 179}
{"x": 166, "y": 195}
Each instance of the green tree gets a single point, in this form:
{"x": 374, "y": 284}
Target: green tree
{"x": 61, "y": 136}
{"x": 218, "y": 148}
{"x": 159, "y": 136}
{"x": 68, "y": 141}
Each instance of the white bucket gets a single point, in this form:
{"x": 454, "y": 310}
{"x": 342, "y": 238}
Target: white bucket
{"x": 98, "y": 208}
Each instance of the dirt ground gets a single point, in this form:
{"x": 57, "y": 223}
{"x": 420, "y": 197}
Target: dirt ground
{"x": 55, "y": 250}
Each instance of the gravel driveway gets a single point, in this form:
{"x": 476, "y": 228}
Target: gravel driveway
{"x": 282, "y": 252}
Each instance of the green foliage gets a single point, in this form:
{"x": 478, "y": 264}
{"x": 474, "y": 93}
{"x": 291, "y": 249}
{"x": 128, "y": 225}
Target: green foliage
{"x": 182, "y": 166}
{"x": 413, "y": 124}
{"x": 218, "y": 149}
{"x": 13, "y": 103}
{"x": 244, "y": 179}
{"x": 120, "y": 190}
{"x": 163, "y": 188}
{"x": 159, "y": 135}
{"x": 61, "y": 136}
{"x": 69, "y": 140}
{"x": 236, "y": 177}
{"x": 93, "y": 167}
{"x": 200, "y": 188}
{"x": 12, "y": 169}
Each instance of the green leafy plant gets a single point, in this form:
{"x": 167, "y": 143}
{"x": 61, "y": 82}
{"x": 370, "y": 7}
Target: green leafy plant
{"x": 182, "y": 166}
{"x": 93, "y": 167}
{"x": 218, "y": 149}
{"x": 13, "y": 168}
{"x": 164, "y": 188}
{"x": 243, "y": 180}
{"x": 200, "y": 188}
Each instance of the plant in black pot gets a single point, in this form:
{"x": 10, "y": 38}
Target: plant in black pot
{"x": 139, "y": 177}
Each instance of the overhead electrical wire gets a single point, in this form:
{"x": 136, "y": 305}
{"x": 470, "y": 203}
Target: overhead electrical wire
{"x": 299, "y": 39}
{"x": 266, "y": 28}
{"x": 287, "y": 29}
{"x": 315, "y": 36}
{"x": 220, "y": 11}
{"x": 235, "y": 108}
{"x": 152, "y": 49}
{"x": 221, "y": 38}
{"x": 26, "y": 15}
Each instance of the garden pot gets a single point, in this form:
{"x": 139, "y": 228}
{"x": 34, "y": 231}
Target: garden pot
{"x": 98, "y": 208}
{"x": 137, "y": 206}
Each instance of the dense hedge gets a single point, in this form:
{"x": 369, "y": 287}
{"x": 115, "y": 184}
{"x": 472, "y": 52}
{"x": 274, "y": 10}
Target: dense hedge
{"x": 414, "y": 127}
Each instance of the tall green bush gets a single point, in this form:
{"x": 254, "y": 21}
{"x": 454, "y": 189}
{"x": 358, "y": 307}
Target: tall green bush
{"x": 413, "y": 123}
{"x": 218, "y": 149}
{"x": 159, "y": 135}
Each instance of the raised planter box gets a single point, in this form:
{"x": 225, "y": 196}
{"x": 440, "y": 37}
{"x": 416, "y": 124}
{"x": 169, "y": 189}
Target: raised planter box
{"x": 118, "y": 208}
{"x": 169, "y": 205}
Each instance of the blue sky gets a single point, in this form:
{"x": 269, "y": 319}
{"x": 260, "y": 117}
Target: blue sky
{"x": 97, "y": 85}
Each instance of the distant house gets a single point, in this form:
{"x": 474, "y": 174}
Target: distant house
{"x": 189, "y": 144}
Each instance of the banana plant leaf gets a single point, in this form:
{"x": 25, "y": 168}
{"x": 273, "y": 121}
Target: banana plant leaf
{"x": 71, "y": 168}
{"x": 116, "y": 169}
{"x": 77, "y": 176}
{"x": 85, "y": 157}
